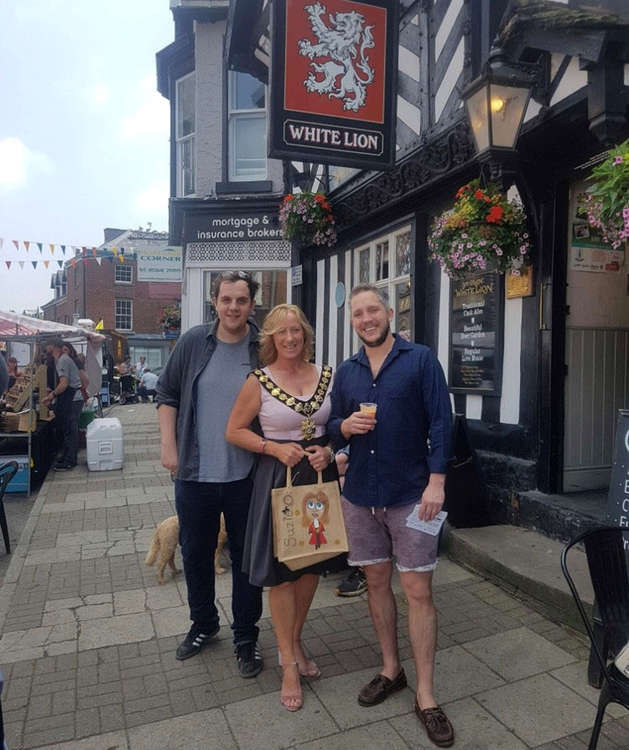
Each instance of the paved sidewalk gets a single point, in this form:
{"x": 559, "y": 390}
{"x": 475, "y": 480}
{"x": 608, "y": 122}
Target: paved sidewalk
{"x": 88, "y": 639}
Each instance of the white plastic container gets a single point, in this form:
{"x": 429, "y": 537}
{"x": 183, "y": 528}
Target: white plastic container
{"x": 105, "y": 448}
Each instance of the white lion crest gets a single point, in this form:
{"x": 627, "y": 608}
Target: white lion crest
{"x": 345, "y": 42}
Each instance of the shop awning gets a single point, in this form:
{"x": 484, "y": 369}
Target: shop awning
{"x": 13, "y": 325}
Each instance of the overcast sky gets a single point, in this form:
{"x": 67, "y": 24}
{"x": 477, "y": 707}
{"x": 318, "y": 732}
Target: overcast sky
{"x": 83, "y": 132}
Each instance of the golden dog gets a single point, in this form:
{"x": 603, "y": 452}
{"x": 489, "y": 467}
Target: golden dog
{"x": 164, "y": 544}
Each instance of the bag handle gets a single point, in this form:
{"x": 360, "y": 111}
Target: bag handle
{"x": 289, "y": 478}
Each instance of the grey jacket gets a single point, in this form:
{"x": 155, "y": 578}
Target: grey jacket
{"x": 177, "y": 385}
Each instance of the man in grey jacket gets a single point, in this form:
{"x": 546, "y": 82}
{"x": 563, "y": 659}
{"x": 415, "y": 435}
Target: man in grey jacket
{"x": 195, "y": 394}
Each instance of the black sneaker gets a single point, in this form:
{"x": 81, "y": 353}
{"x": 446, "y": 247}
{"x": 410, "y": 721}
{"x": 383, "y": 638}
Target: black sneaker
{"x": 249, "y": 659}
{"x": 354, "y": 584}
{"x": 63, "y": 466}
{"x": 193, "y": 643}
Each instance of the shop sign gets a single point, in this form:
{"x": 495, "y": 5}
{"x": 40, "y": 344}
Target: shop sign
{"x": 333, "y": 82}
{"x": 521, "y": 285}
{"x": 595, "y": 257}
{"x": 618, "y": 500}
{"x": 159, "y": 264}
{"x": 476, "y": 335}
{"x": 231, "y": 226}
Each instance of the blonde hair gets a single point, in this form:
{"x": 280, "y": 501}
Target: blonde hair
{"x": 322, "y": 498}
{"x": 272, "y": 324}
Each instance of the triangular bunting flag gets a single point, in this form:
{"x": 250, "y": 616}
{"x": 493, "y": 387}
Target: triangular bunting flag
{"x": 17, "y": 244}
{"x": 100, "y": 325}
{"x": 8, "y": 262}
{"x": 60, "y": 263}
{"x": 21, "y": 262}
{"x": 46, "y": 263}
{"x": 52, "y": 248}
{"x": 34, "y": 263}
{"x": 26, "y": 245}
{"x": 63, "y": 249}
{"x": 99, "y": 261}
{"x": 110, "y": 258}
{"x": 121, "y": 258}
{"x": 40, "y": 246}
{"x": 114, "y": 250}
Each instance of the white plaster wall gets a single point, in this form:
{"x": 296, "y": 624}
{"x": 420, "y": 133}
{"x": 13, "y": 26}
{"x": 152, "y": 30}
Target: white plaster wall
{"x": 208, "y": 51}
{"x": 192, "y": 299}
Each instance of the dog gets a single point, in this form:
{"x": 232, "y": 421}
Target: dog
{"x": 164, "y": 544}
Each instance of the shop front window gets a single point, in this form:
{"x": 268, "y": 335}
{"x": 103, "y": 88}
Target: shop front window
{"x": 272, "y": 291}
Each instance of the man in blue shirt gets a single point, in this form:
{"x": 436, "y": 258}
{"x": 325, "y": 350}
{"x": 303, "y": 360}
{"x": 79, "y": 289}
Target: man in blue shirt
{"x": 399, "y": 458}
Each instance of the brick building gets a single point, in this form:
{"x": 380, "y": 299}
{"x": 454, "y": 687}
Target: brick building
{"x": 106, "y": 287}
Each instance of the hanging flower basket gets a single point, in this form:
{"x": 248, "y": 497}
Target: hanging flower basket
{"x": 606, "y": 204}
{"x": 483, "y": 231}
{"x": 170, "y": 319}
{"x": 307, "y": 218}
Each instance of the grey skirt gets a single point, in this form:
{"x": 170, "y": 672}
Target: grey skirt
{"x": 258, "y": 561}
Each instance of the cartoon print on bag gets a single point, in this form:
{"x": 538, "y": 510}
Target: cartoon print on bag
{"x": 315, "y": 515}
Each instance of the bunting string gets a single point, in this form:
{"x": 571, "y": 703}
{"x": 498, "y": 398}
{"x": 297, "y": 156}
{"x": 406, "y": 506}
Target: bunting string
{"x": 76, "y": 253}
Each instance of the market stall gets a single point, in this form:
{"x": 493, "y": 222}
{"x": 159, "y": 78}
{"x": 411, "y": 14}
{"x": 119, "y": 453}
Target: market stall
{"x": 26, "y": 424}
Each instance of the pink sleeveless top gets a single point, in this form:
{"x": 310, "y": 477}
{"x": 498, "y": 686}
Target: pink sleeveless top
{"x": 280, "y": 422}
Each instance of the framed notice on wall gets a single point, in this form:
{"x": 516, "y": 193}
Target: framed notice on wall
{"x": 333, "y": 81}
{"x": 476, "y": 329}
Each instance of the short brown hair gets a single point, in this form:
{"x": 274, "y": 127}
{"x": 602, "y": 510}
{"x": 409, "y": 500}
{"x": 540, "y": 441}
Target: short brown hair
{"x": 272, "y": 324}
{"x": 380, "y": 293}
{"x": 233, "y": 276}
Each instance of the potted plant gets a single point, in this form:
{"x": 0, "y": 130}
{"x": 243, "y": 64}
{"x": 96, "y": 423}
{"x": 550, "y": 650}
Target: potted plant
{"x": 307, "y": 218}
{"x": 483, "y": 231}
{"x": 170, "y": 320}
{"x": 606, "y": 204}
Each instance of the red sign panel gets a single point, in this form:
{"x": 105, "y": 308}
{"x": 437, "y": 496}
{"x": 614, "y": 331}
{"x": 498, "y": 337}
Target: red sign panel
{"x": 333, "y": 76}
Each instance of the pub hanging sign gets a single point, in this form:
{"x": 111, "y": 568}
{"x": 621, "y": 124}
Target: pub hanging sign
{"x": 333, "y": 82}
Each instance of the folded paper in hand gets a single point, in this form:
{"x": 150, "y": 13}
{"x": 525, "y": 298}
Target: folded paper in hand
{"x": 428, "y": 527}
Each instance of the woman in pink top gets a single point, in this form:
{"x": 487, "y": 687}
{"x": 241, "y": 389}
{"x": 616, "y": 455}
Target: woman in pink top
{"x": 291, "y": 398}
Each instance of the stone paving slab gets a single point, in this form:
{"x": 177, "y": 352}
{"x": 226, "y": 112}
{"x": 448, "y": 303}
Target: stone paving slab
{"x": 87, "y": 641}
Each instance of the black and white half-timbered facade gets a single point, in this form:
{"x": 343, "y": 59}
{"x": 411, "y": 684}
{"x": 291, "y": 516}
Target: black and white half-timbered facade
{"x": 543, "y": 429}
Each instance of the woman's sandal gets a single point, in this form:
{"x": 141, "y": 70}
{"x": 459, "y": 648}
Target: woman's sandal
{"x": 292, "y": 701}
{"x": 312, "y": 671}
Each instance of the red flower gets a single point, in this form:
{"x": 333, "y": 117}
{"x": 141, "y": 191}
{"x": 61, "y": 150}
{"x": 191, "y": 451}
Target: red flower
{"x": 288, "y": 198}
{"x": 479, "y": 194}
{"x": 462, "y": 189}
{"x": 495, "y": 215}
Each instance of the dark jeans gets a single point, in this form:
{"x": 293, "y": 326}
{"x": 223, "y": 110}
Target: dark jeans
{"x": 144, "y": 393}
{"x": 68, "y": 412}
{"x": 199, "y": 505}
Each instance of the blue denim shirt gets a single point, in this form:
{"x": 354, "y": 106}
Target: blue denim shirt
{"x": 391, "y": 464}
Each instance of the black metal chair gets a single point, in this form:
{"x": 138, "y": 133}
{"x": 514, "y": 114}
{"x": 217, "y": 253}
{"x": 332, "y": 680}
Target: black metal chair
{"x": 7, "y": 472}
{"x": 607, "y": 562}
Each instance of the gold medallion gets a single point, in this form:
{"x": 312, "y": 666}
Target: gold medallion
{"x": 308, "y": 428}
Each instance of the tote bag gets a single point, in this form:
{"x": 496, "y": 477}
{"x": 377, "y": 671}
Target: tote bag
{"x": 308, "y": 523}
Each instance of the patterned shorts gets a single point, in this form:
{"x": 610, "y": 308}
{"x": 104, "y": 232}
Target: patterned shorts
{"x": 380, "y": 534}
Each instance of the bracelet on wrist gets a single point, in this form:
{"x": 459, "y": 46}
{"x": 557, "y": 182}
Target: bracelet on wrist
{"x": 331, "y": 452}
{"x": 262, "y": 445}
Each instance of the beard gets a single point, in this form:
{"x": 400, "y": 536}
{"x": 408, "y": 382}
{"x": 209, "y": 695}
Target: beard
{"x": 381, "y": 338}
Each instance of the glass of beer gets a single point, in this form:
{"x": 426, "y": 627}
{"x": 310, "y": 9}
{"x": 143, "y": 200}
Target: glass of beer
{"x": 369, "y": 408}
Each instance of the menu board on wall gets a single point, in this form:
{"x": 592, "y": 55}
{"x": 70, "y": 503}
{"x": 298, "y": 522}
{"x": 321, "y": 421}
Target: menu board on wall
{"x": 476, "y": 335}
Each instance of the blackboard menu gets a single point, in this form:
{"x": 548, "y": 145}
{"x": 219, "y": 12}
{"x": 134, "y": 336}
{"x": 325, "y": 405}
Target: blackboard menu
{"x": 476, "y": 334}
{"x": 618, "y": 501}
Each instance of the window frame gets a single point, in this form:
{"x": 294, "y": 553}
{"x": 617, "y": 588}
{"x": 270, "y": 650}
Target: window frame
{"x": 181, "y": 141}
{"x": 233, "y": 116}
{"x": 391, "y": 283}
{"x": 116, "y": 314}
{"x": 126, "y": 266}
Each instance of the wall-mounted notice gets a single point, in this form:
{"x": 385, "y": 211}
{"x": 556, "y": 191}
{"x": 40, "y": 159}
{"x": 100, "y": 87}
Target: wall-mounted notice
{"x": 618, "y": 500}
